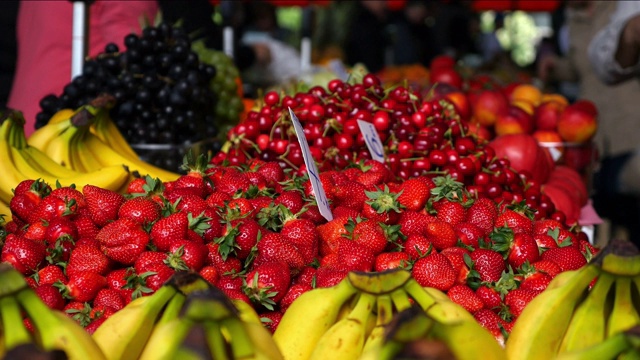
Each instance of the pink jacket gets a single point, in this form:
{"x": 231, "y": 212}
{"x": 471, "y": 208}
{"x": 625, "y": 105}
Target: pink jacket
{"x": 44, "y": 45}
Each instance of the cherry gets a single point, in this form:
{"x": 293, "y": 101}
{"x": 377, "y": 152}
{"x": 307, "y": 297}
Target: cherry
{"x": 419, "y": 119}
{"x": 370, "y": 80}
{"x": 271, "y": 98}
{"x": 381, "y": 120}
{"x": 316, "y": 113}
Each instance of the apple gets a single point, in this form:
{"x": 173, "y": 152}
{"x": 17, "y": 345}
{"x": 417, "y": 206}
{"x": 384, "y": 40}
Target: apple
{"x": 563, "y": 201}
{"x": 524, "y": 154}
{"x": 488, "y": 105}
{"x": 577, "y": 123}
{"x": 446, "y": 75}
{"x": 547, "y": 114}
{"x": 442, "y": 61}
{"x": 461, "y": 102}
{"x": 514, "y": 121}
{"x": 580, "y": 156}
{"x": 563, "y": 173}
{"x": 482, "y": 133}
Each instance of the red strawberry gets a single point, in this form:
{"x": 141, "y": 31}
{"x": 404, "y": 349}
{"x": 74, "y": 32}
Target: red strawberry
{"x": 84, "y": 286}
{"x": 108, "y": 297}
{"x": 79, "y": 311}
{"x": 568, "y": 257}
{"x": 86, "y": 227}
{"x": 27, "y": 196}
{"x": 51, "y": 296}
{"x": 350, "y": 194}
{"x": 413, "y": 222}
{"x": 295, "y": 290}
{"x": 87, "y": 258}
{"x": 483, "y": 213}
{"x": 217, "y": 199}
{"x": 189, "y": 204}
{"x": 60, "y": 227}
{"x": 382, "y": 206}
{"x": 414, "y": 194}
{"x": 103, "y": 204}
{"x": 468, "y": 233}
{"x": 127, "y": 283}
{"x": 196, "y": 169}
{"x": 232, "y": 181}
{"x": 456, "y": 256}
{"x": 238, "y": 238}
{"x": 68, "y": 193}
{"x": 306, "y": 276}
{"x": 490, "y": 297}
{"x": 231, "y": 282}
{"x": 329, "y": 234}
{"x": 268, "y": 283}
{"x": 370, "y": 234}
{"x": 94, "y": 325}
{"x": 465, "y": 297}
{"x": 50, "y": 274}
{"x": 231, "y": 265}
{"x": 291, "y": 199}
{"x": 271, "y": 320}
{"x": 518, "y": 222}
{"x": 123, "y": 241}
{"x": 491, "y": 321}
{"x": 516, "y": 300}
{"x": 51, "y": 207}
{"x": 535, "y": 281}
{"x": 342, "y": 211}
{"x": 417, "y": 246}
{"x": 274, "y": 247}
{"x": 488, "y": 265}
{"x": 36, "y": 231}
{"x": 140, "y": 209}
{"x": 392, "y": 260}
{"x": 167, "y": 229}
{"x": 518, "y": 247}
{"x": 434, "y": 270}
{"x": 328, "y": 277}
{"x": 156, "y": 275}
{"x": 210, "y": 273}
{"x": 23, "y": 254}
{"x": 303, "y": 235}
{"x": 353, "y": 256}
{"x": 545, "y": 241}
{"x": 191, "y": 255}
{"x": 452, "y": 212}
{"x": 440, "y": 234}
{"x": 272, "y": 172}
{"x": 548, "y": 267}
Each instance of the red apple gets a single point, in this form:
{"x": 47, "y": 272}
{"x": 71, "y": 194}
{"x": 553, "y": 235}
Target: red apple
{"x": 547, "y": 114}
{"x": 562, "y": 173}
{"x": 563, "y": 201}
{"x": 524, "y": 153}
{"x": 488, "y": 105}
{"x": 446, "y": 75}
{"x": 577, "y": 124}
{"x": 550, "y": 141}
{"x": 442, "y": 61}
{"x": 461, "y": 102}
{"x": 579, "y": 156}
{"x": 514, "y": 121}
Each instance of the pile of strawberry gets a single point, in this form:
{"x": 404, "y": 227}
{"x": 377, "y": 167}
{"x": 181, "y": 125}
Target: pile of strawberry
{"x": 256, "y": 232}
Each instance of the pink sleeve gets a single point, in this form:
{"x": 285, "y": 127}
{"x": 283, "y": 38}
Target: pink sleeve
{"x": 111, "y": 21}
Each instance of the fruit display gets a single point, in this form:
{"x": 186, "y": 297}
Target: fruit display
{"x": 163, "y": 92}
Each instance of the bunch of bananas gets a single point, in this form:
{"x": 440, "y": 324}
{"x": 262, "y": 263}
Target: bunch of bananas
{"x": 87, "y": 140}
{"x": 352, "y": 319}
{"x": 53, "y": 330}
{"x": 21, "y": 161}
{"x": 186, "y": 319}
{"x": 583, "y": 310}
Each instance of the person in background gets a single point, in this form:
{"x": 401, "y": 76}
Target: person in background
{"x": 367, "y": 40}
{"x": 617, "y": 111}
{"x": 44, "y": 41}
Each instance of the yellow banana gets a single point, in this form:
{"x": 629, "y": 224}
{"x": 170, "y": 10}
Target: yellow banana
{"x": 105, "y": 129}
{"x": 384, "y": 316}
{"x": 246, "y": 312}
{"x": 33, "y": 155}
{"x": 345, "y": 339}
{"x": 41, "y": 138}
{"x": 262, "y": 340}
{"x": 319, "y": 308}
{"x": 61, "y": 115}
{"x": 623, "y": 315}
{"x": 538, "y": 331}
{"x": 15, "y": 332}
{"x": 621, "y": 265}
{"x": 59, "y": 149}
{"x": 124, "y": 334}
{"x": 610, "y": 348}
{"x": 10, "y": 176}
{"x": 58, "y": 331}
{"x": 589, "y": 323}
{"x": 166, "y": 339}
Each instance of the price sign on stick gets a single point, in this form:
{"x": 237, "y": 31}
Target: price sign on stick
{"x": 372, "y": 139}
{"x": 312, "y": 169}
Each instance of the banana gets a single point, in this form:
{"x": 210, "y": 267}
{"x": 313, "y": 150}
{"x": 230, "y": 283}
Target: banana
{"x": 216, "y": 341}
{"x": 5, "y": 211}
{"x": 345, "y": 339}
{"x": 124, "y": 334}
{"x": 246, "y": 312}
{"x": 10, "y": 176}
{"x": 108, "y": 156}
{"x": 538, "y": 331}
{"x": 12, "y": 319}
{"x": 105, "y": 129}
{"x": 33, "y": 155}
{"x": 621, "y": 265}
{"x": 384, "y": 315}
{"x": 58, "y": 331}
{"x": 41, "y": 138}
{"x": 166, "y": 339}
{"x": 59, "y": 149}
{"x": 319, "y": 308}
{"x": 262, "y": 341}
{"x": 11, "y": 281}
{"x": 610, "y": 348}
{"x": 61, "y": 115}
{"x": 624, "y": 315}
{"x": 588, "y": 326}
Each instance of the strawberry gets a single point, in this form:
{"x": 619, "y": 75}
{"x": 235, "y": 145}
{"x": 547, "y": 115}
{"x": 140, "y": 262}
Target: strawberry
{"x": 167, "y": 229}
{"x": 544, "y": 225}
{"x": 483, "y": 213}
{"x": 191, "y": 255}
{"x": 26, "y": 197}
{"x": 268, "y": 283}
{"x": 95, "y": 324}
{"x": 534, "y": 280}
{"x": 271, "y": 320}
{"x": 156, "y": 275}
{"x": 414, "y": 194}
{"x": 36, "y": 231}
{"x": 517, "y": 221}
{"x": 417, "y": 246}
{"x": 306, "y": 276}
{"x": 232, "y": 181}
{"x": 468, "y": 233}
{"x": 440, "y": 234}
{"x": 370, "y": 234}
{"x": 108, "y": 297}
{"x": 391, "y": 260}
{"x": 303, "y": 235}
{"x": 103, "y": 204}
{"x": 294, "y": 292}
{"x": 328, "y": 277}
{"x": 230, "y": 265}
{"x": 83, "y": 286}
{"x": 568, "y": 257}
{"x": 516, "y": 300}
{"x": 50, "y": 208}
{"x": 196, "y": 169}
{"x": 517, "y": 247}
{"x": 382, "y": 206}
{"x": 213, "y": 224}
{"x": 79, "y": 312}
{"x": 329, "y": 234}
{"x": 128, "y": 284}
{"x": 291, "y": 199}
{"x": 189, "y": 204}
{"x": 68, "y": 194}
{"x": 413, "y": 222}
{"x": 23, "y": 254}
{"x": 456, "y": 256}
{"x": 452, "y": 212}
{"x": 275, "y": 247}
{"x": 342, "y": 211}
{"x": 548, "y": 267}
{"x": 141, "y": 210}
{"x": 465, "y": 297}
{"x": 272, "y": 172}
{"x": 217, "y": 199}
{"x": 210, "y": 273}
{"x": 136, "y": 186}
{"x": 258, "y": 181}
{"x": 85, "y": 226}
{"x": 491, "y": 321}
{"x": 60, "y": 227}
{"x": 238, "y": 238}
{"x": 544, "y": 241}
{"x": 487, "y": 265}
{"x": 51, "y": 296}
{"x": 49, "y": 275}
{"x": 87, "y": 258}
{"x": 353, "y": 256}
{"x": 489, "y": 296}
{"x": 350, "y": 194}
{"x": 60, "y": 250}
{"x": 434, "y": 270}
{"x": 123, "y": 241}
{"x": 231, "y": 282}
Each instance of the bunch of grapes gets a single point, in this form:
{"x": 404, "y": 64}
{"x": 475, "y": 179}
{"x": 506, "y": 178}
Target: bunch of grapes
{"x": 162, "y": 90}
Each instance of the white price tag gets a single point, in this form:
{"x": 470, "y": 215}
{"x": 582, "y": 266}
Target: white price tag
{"x": 371, "y": 137}
{"x": 312, "y": 169}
